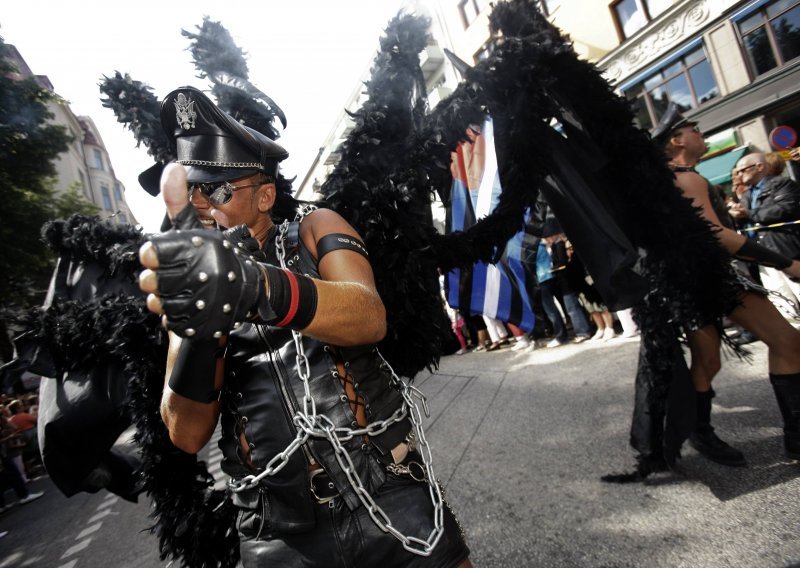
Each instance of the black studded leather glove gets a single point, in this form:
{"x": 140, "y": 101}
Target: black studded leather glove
{"x": 241, "y": 238}
{"x": 207, "y": 285}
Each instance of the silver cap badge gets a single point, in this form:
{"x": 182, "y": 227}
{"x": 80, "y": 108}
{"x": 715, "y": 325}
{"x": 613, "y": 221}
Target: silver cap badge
{"x": 185, "y": 111}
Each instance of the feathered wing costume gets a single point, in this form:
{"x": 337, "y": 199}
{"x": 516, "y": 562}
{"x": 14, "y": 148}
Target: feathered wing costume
{"x": 559, "y": 129}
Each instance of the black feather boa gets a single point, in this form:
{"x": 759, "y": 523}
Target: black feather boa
{"x": 381, "y": 186}
{"x": 392, "y": 162}
{"x": 194, "y": 524}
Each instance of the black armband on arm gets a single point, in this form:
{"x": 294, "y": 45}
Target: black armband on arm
{"x": 336, "y": 241}
{"x": 195, "y": 369}
{"x": 292, "y": 297}
{"x": 752, "y": 251}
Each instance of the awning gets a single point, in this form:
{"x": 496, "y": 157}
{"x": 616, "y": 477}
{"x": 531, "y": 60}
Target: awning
{"x": 717, "y": 170}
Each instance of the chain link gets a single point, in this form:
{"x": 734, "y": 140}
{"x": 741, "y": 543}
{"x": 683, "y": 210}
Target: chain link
{"x": 310, "y": 424}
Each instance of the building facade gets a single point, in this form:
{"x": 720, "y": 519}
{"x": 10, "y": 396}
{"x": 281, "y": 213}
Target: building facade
{"x": 731, "y": 65}
{"x": 85, "y": 166}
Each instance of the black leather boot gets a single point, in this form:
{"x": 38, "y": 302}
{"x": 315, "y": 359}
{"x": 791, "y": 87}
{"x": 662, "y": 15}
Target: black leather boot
{"x": 705, "y": 441}
{"x": 787, "y": 393}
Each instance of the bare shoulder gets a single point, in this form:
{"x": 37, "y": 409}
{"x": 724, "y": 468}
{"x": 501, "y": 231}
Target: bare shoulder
{"x": 321, "y": 222}
{"x": 692, "y": 184}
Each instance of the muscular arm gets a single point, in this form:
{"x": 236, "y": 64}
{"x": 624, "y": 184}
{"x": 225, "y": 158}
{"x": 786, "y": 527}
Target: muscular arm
{"x": 190, "y": 423}
{"x": 349, "y": 309}
{"x": 694, "y": 187}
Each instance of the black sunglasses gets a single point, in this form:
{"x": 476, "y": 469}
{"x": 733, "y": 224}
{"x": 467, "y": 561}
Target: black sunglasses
{"x": 744, "y": 169}
{"x": 220, "y": 193}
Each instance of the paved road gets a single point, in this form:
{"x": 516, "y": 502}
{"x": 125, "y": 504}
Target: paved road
{"x": 520, "y": 442}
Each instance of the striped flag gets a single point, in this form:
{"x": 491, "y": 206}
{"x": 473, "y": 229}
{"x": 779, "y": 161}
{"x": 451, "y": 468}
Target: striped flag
{"x": 495, "y": 290}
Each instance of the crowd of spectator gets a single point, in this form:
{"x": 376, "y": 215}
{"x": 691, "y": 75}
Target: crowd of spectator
{"x": 19, "y": 448}
{"x": 569, "y": 309}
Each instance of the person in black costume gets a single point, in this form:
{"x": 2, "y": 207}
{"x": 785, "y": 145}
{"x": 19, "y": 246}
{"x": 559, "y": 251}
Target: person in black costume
{"x": 684, "y": 144}
{"x": 328, "y": 462}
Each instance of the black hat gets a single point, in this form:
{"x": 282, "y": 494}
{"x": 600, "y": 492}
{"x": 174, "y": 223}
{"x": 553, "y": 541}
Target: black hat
{"x": 212, "y": 144}
{"x": 670, "y": 121}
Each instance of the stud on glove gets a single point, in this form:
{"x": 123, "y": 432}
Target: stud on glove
{"x": 206, "y": 284}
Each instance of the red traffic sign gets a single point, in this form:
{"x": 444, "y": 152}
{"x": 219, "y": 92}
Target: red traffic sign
{"x": 783, "y": 137}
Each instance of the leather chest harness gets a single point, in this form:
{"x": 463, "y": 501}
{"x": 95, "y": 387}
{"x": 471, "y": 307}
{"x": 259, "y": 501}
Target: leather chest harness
{"x": 292, "y": 404}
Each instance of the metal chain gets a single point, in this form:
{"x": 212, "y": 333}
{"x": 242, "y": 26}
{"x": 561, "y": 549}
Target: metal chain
{"x": 310, "y": 424}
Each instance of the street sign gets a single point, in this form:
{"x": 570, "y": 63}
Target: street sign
{"x": 783, "y": 137}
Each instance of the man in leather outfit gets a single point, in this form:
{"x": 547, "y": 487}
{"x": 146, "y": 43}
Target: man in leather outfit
{"x": 771, "y": 199}
{"x": 684, "y": 145}
{"x": 273, "y": 329}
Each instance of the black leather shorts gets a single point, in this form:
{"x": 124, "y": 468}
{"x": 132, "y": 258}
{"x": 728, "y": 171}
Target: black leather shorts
{"x": 344, "y": 538}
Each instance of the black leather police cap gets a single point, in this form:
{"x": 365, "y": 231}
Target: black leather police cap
{"x": 212, "y": 144}
{"x": 670, "y": 121}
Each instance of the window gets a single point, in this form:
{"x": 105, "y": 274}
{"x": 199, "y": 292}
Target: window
{"x": 632, "y": 15}
{"x": 123, "y": 219}
{"x": 771, "y": 35}
{"x": 84, "y": 186}
{"x": 106, "y": 198}
{"x": 687, "y": 81}
{"x": 98, "y": 159}
{"x": 470, "y": 9}
{"x": 118, "y": 193}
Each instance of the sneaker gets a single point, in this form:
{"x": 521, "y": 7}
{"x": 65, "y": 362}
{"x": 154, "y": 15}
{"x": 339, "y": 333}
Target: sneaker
{"x": 707, "y": 443}
{"x": 523, "y": 343}
{"x": 609, "y": 334}
{"x": 4, "y": 533}
{"x": 31, "y": 497}
{"x": 598, "y": 335}
{"x": 556, "y": 342}
{"x": 580, "y": 338}
{"x": 460, "y": 352}
{"x": 495, "y": 346}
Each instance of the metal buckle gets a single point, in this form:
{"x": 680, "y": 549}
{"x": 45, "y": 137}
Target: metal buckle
{"x": 312, "y": 488}
{"x": 416, "y": 473}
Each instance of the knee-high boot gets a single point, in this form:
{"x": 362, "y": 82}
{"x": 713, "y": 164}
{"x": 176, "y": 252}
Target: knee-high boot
{"x": 706, "y": 441}
{"x": 787, "y": 393}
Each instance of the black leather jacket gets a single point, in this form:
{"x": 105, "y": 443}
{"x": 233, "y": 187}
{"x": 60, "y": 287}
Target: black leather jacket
{"x": 263, "y": 391}
{"x": 778, "y": 201}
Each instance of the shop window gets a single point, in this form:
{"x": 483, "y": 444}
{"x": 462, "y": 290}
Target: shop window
{"x": 687, "y": 81}
{"x": 632, "y": 15}
{"x": 771, "y": 35}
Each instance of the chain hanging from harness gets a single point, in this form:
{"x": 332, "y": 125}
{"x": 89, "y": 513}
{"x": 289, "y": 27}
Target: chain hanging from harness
{"x": 309, "y": 424}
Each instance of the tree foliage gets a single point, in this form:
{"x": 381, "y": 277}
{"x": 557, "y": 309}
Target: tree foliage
{"x": 29, "y": 144}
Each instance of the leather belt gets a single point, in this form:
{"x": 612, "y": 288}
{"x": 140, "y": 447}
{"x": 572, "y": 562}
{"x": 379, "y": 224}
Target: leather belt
{"x": 324, "y": 490}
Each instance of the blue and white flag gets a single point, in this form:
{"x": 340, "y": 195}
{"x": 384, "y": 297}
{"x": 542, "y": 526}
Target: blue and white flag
{"x": 495, "y": 290}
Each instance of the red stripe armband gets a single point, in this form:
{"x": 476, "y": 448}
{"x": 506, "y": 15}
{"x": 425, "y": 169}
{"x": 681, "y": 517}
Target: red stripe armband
{"x": 293, "y": 298}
